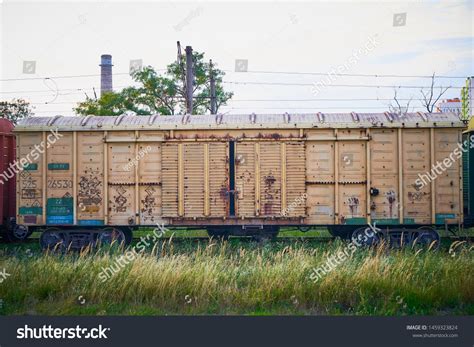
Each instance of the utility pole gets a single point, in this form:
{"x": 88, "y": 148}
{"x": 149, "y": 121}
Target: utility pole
{"x": 213, "y": 89}
{"x": 189, "y": 80}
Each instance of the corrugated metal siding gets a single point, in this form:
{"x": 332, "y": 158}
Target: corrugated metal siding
{"x": 245, "y": 178}
{"x": 270, "y": 178}
{"x": 193, "y": 180}
{"x": 170, "y": 179}
{"x": 295, "y": 179}
{"x": 218, "y": 179}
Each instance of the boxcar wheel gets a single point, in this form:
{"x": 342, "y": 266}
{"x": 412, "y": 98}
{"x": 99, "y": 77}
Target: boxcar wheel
{"x": 109, "y": 236}
{"x": 427, "y": 236}
{"x": 365, "y": 236}
{"x": 16, "y": 233}
{"x": 52, "y": 239}
{"x": 218, "y": 233}
{"x": 342, "y": 231}
{"x": 267, "y": 234}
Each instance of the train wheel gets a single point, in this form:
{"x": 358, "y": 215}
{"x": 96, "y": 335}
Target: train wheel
{"x": 53, "y": 239}
{"x": 267, "y": 234}
{"x": 218, "y": 233}
{"x": 16, "y": 233}
{"x": 342, "y": 231}
{"x": 365, "y": 236}
{"x": 109, "y": 236}
{"x": 427, "y": 237}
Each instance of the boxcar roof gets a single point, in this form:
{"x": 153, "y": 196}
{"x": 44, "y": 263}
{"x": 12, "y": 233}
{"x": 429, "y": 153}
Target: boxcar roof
{"x": 242, "y": 121}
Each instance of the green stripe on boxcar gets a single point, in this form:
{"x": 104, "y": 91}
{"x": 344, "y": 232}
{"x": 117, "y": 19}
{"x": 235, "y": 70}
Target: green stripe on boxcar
{"x": 440, "y": 217}
{"x": 387, "y": 221}
{"x": 356, "y": 221}
{"x": 58, "y": 166}
{"x": 30, "y": 167}
{"x": 30, "y": 210}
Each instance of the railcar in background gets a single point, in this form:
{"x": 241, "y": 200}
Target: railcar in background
{"x": 8, "y": 171}
{"x": 468, "y": 175}
{"x": 103, "y": 177}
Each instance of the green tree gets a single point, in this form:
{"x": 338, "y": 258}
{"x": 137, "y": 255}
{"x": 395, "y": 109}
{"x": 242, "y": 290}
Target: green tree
{"x": 15, "y": 110}
{"x": 164, "y": 94}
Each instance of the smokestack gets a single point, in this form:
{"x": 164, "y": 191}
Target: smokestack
{"x": 105, "y": 73}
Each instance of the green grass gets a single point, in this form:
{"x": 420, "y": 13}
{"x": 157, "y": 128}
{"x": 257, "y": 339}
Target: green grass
{"x": 236, "y": 277}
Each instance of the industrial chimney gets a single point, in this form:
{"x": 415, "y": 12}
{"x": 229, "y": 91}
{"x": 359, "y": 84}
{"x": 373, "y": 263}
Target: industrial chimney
{"x": 105, "y": 73}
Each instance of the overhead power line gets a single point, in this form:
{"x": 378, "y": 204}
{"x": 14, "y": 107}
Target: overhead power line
{"x": 64, "y": 76}
{"x": 350, "y": 74}
{"x": 313, "y": 100}
{"x": 334, "y": 85}
{"x": 252, "y": 71}
{"x": 316, "y": 108}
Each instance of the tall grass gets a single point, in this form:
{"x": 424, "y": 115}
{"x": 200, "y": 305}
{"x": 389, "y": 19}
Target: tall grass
{"x": 227, "y": 278}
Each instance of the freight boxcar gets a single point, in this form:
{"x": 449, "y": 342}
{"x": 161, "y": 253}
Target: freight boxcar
{"x": 8, "y": 229}
{"x": 239, "y": 174}
{"x": 468, "y": 175}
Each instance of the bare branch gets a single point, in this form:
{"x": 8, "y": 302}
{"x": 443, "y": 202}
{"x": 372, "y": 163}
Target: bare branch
{"x": 429, "y": 99}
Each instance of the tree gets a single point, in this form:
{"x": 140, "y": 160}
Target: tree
{"x": 164, "y": 94}
{"x": 398, "y": 109}
{"x": 15, "y": 110}
{"x": 429, "y": 98}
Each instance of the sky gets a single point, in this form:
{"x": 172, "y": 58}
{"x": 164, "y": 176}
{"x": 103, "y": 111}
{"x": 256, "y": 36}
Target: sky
{"x": 318, "y": 42}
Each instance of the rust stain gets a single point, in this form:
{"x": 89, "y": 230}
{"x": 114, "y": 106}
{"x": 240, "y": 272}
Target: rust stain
{"x": 267, "y": 208}
{"x": 274, "y": 136}
{"x": 353, "y": 202}
{"x": 415, "y": 196}
{"x": 270, "y": 180}
{"x": 391, "y": 198}
{"x": 148, "y": 204}
{"x": 269, "y": 193}
{"x": 223, "y": 192}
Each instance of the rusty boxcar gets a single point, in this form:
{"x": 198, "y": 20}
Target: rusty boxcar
{"x": 8, "y": 229}
{"x": 237, "y": 174}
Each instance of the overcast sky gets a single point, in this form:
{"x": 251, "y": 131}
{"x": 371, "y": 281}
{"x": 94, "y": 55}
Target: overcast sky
{"x": 66, "y": 39}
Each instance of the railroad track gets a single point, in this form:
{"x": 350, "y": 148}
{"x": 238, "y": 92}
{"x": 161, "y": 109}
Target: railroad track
{"x": 243, "y": 239}
{"x": 201, "y": 238}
